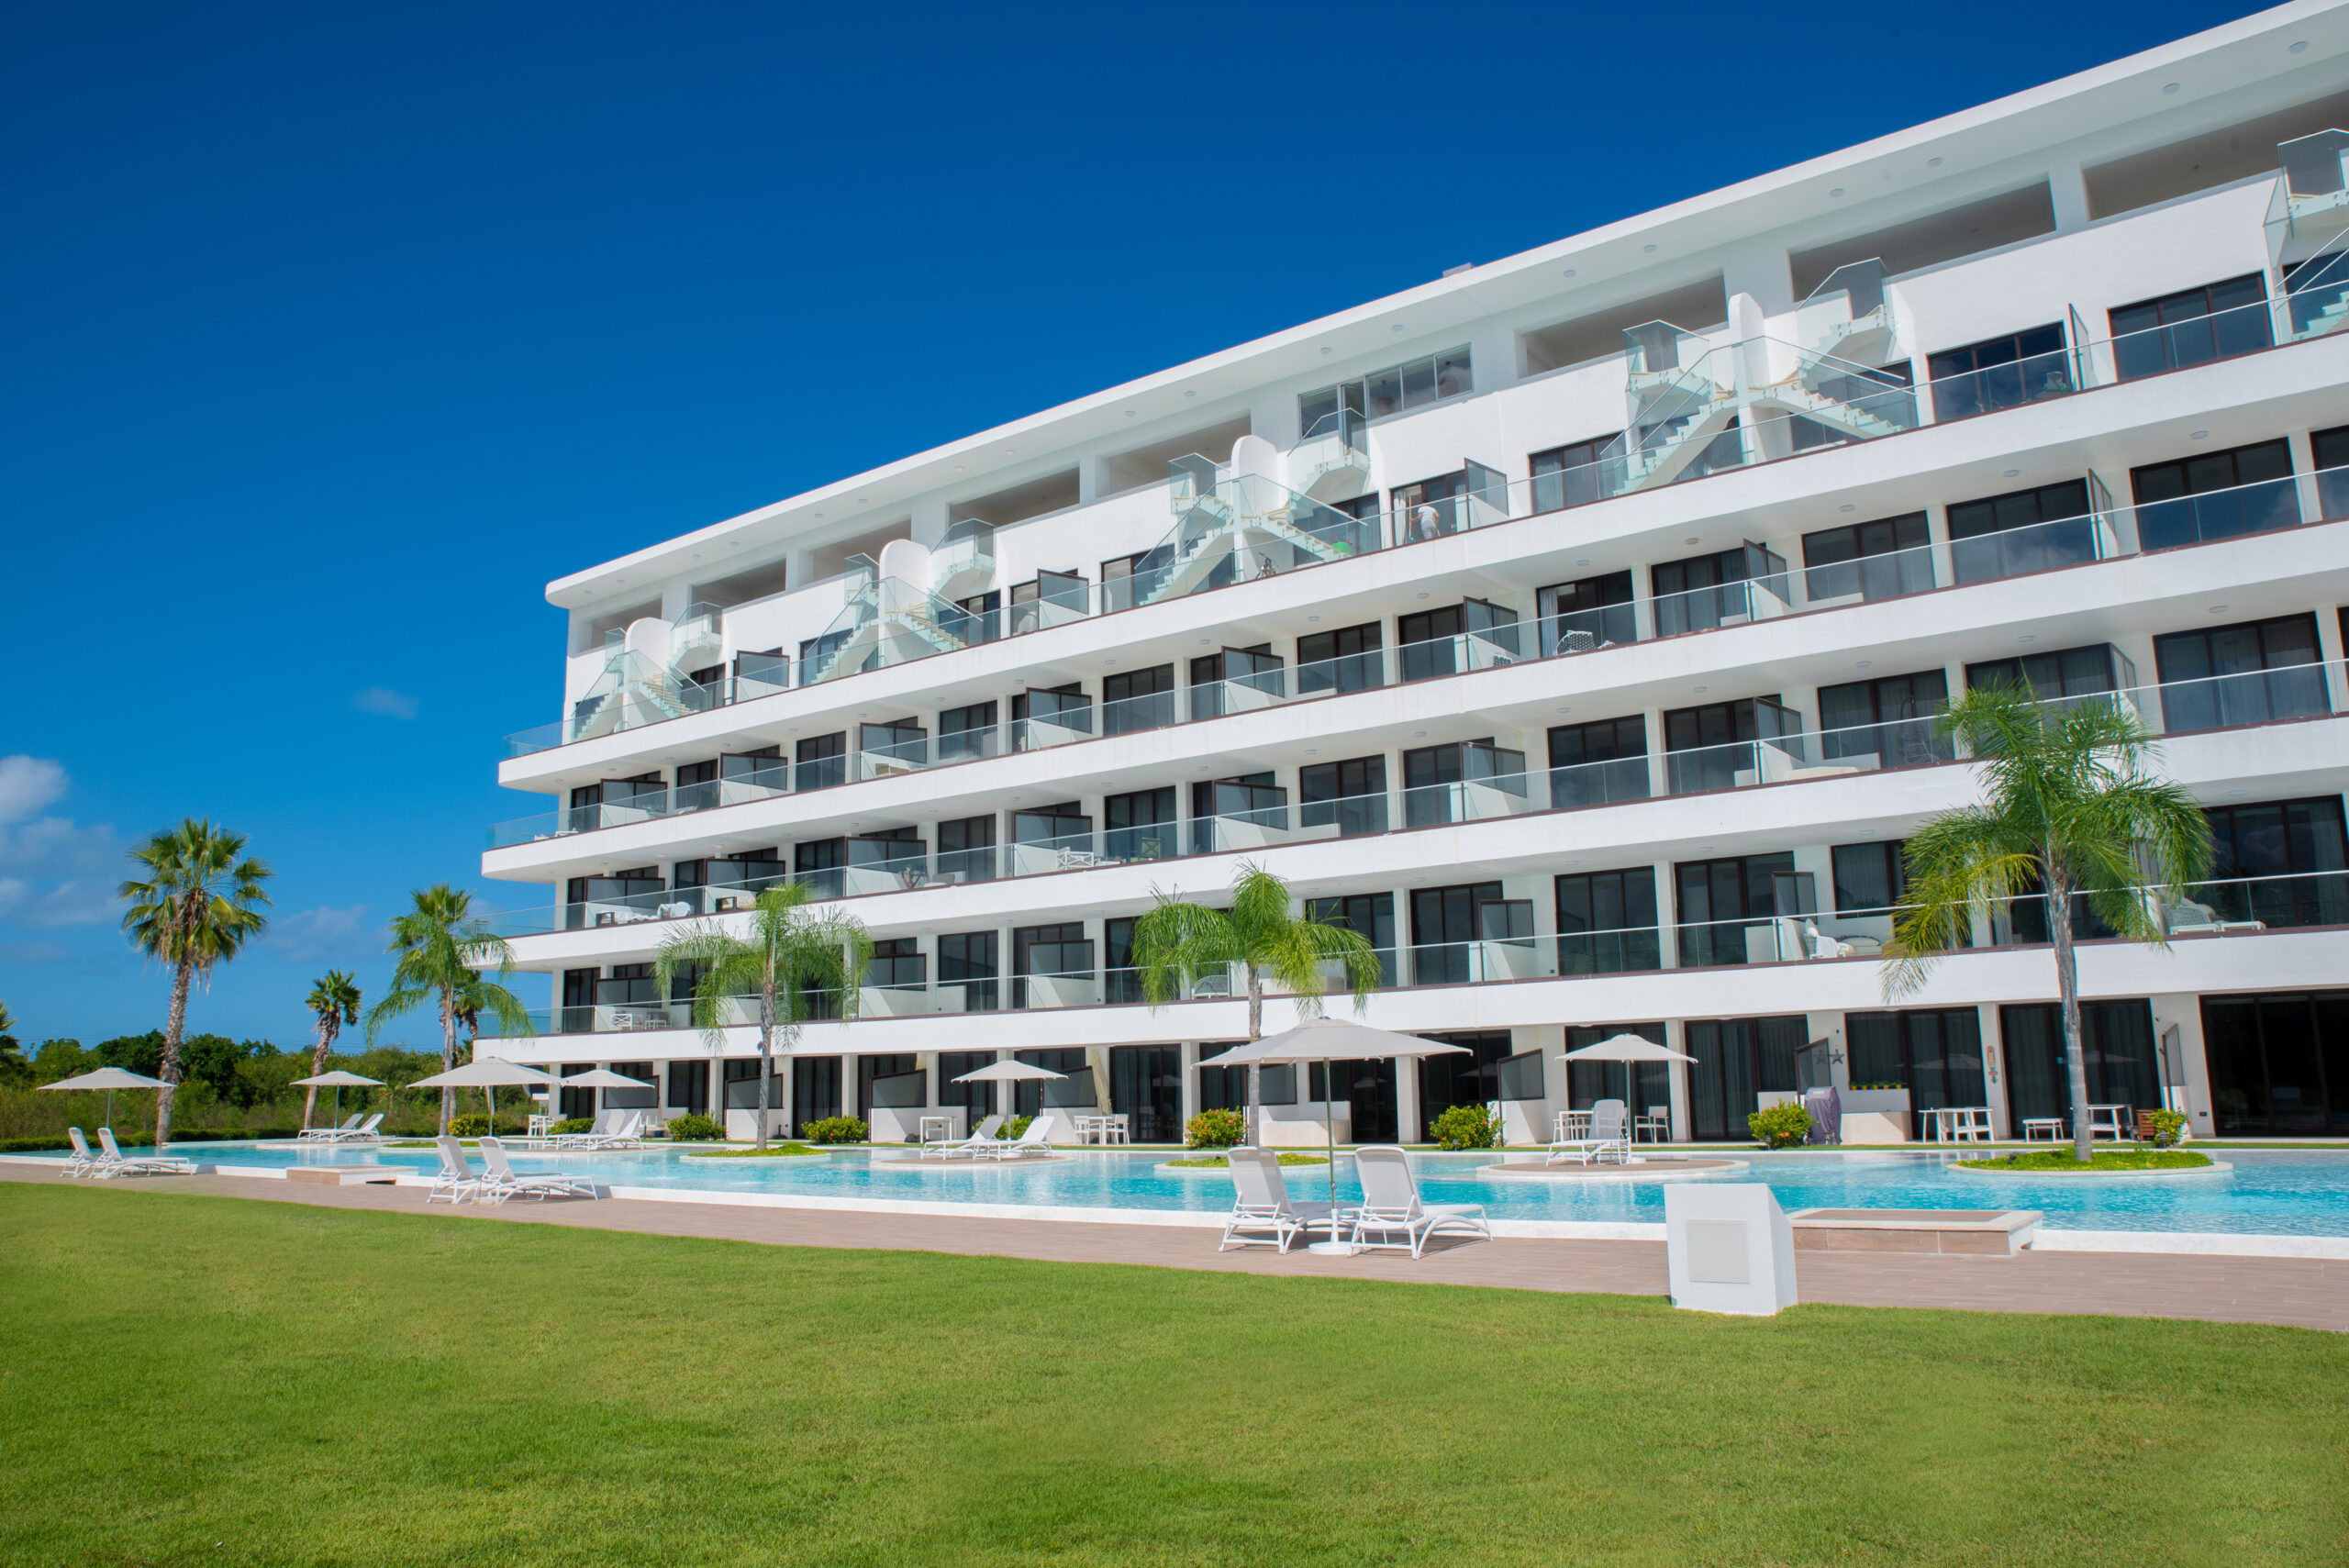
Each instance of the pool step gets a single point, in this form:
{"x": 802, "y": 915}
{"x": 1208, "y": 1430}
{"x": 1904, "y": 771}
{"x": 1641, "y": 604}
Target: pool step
{"x": 1976, "y": 1232}
{"x": 346, "y": 1175}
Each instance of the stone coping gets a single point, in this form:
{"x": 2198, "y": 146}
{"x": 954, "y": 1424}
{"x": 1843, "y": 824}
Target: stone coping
{"x": 1978, "y": 1232}
{"x": 1643, "y": 1170}
{"x": 2215, "y": 1168}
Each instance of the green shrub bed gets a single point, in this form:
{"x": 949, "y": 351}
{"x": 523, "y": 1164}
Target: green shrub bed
{"x": 2059, "y": 1161}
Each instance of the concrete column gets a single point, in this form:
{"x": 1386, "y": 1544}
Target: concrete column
{"x": 1667, "y": 939}
{"x": 1994, "y": 1070}
{"x": 1675, "y": 1035}
{"x": 1408, "y": 1128}
{"x": 2067, "y": 191}
{"x": 1190, "y": 1075}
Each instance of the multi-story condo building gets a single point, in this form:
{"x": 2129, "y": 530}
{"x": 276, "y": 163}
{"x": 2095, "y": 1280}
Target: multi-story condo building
{"x": 1573, "y": 627}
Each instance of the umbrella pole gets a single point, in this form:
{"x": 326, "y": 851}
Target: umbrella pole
{"x": 1330, "y": 1126}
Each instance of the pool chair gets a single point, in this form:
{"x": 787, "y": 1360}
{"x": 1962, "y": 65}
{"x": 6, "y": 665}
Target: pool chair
{"x": 1610, "y": 1137}
{"x": 500, "y": 1181}
{"x": 456, "y": 1179}
{"x": 82, "y": 1163}
{"x": 984, "y": 1138}
{"x": 1391, "y": 1205}
{"x": 116, "y": 1164}
{"x": 1037, "y": 1140}
{"x": 627, "y": 1133}
{"x": 327, "y": 1134}
{"x": 363, "y": 1133}
{"x": 1262, "y": 1214}
{"x": 604, "y": 1125}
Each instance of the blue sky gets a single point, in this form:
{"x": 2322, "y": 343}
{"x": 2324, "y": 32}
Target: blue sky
{"x": 335, "y": 336}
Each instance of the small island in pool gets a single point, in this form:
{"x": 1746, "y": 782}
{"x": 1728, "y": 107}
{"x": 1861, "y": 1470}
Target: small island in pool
{"x": 772, "y": 1151}
{"x": 1218, "y": 1162}
{"x": 2061, "y": 1163}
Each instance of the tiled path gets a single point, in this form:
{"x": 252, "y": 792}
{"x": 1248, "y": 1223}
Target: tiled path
{"x": 2308, "y": 1291}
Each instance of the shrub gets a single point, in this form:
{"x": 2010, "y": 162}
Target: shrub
{"x": 570, "y": 1125}
{"x": 1467, "y": 1126}
{"x": 2168, "y": 1128}
{"x": 1780, "y": 1126}
{"x": 473, "y": 1124}
{"x": 834, "y": 1129}
{"x": 1215, "y": 1130}
{"x": 695, "y": 1129}
{"x": 1016, "y": 1127}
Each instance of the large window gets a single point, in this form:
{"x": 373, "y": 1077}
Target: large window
{"x": 2280, "y": 863}
{"x": 977, "y": 1099}
{"x": 1146, "y": 1088}
{"x": 1599, "y": 762}
{"x": 1737, "y": 1062}
{"x": 2192, "y": 327}
{"x": 1878, "y": 560}
{"x": 1371, "y": 915}
{"x": 1444, "y": 921}
{"x": 1225, "y": 1088}
{"x": 1352, "y": 793}
{"x": 966, "y": 849}
{"x": 1606, "y": 922}
{"x": 968, "y": 732}
{"x": 968, "y": 960}
{"x": 822, "y": 761}
{"x": 1870, "y": 879}
{"x": 1644, "y": 1087}
{"x": 1570, "y": 476}
{"x": 1469, "y": 635}
{"x": 2001, "y": 373}
{"x": 2278, "y": 1064}
{"x": 2257, "y": 672}
{"x": 1890, "y": 722}
{"x": 2023, "y": 530}
{"x": 1594, "y": 612}
{"x": 1714, "y": 745}
{"x": 1708, "y": 591}
{"x": 814, "y": 1089}
{"x": 688, "y": 1087}
{"x": 1459, "y": 781}
{"x": 1723, "y": 903}
{"x": 1472, "y": 1078}
{"x": 1394, "y": 390}
{"x": 1935, "y": 1055}
{"x": 1138, "y": 699}
{"x": 2060, "y": 676}
{"x": 2330, "y": 450}
{"x": 1140, "y": 825}
{"x": 1058, "y": 951}
{"x": 2248, "y": 489}
{"x": 1347, "y": 660}
{"x": 2118, "y": 1037}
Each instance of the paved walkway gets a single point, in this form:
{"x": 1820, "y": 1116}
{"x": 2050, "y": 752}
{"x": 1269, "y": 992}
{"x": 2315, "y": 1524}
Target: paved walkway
{"x": 2307, "y": 1291}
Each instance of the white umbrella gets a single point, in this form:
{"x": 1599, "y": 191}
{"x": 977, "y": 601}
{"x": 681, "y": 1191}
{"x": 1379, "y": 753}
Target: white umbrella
{"x": 1325, "y": 1040}
{"x": 601, "y": 1078}
{"x": 336, "y": 1078}
{"x": 109, "y": 1079}
{"x": 1010, "y": 1071}
{"x": 484, "y": 1072}
{"x": 1625, "y": 1048}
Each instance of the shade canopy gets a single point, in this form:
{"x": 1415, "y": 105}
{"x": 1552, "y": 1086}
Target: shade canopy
{"x": 1625, "y": 1048}
{"x": 106, "y": 1078}
{"x": 338, "y": 1079}
{"x": 1329, "y": 1040}
{"x": 602, "y": 1078}
{"x": 487, "y": 1073}
{"x": 1010, "y": 1073}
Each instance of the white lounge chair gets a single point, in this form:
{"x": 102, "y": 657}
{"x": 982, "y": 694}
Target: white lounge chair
{"x": 365, "y": 1133}
{"x": 326, "y": 1134}
{"x": 1609, "y": 1135}
{"x": 1390, "y": 1203}
{"x": 456, "y": 1179}
{"x": 145, "y": 1166}
{"x": 627, "y": 1134}
{"x": 501, "y": 1181}
{"x": 1262, "y": 1214}
{"x": 82, "y": 1163}
{"x": 1037, "y": 1140}
{"x": 971, "y": 1148}
{"x": 605, "y": 1124}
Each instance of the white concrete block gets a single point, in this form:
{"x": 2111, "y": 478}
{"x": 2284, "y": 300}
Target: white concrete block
{"x": 1729, "y": 1247}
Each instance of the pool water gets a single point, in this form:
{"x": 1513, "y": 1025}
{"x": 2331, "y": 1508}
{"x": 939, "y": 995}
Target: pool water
{"x": 2272, "y": 1193}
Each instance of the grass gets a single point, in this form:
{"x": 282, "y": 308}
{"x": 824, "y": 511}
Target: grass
{"x": 191, "y": 1379}
{"x": 772, "y": 1151}
{"x": 1224, "y": 1163}
{"x": 2062, "y": 1163}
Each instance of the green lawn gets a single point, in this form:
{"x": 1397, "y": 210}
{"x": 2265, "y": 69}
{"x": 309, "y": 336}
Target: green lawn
{"x": 191, "y": 1380}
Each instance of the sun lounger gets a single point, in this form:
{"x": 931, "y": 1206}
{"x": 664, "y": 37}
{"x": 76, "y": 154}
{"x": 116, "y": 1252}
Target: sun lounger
{"x": 501, "y": 1181}
{"x": 1037, "y": 1140}
{"x": 627, "y": 1134}
{"x": 456, "y": 1179}
{"x": 1263, "y": 1215}
{"x": 605, "y": 1125}
{"x": 1390, "y": 1204}
{"x": 324, "y": 1134}
{"x": 145, "y": 1166}
{"x": 363, "y": 1133}
{"x": 82, "y": 1163}
{"x": 1610, "y": 1137}
{"x": 971, "y": 1148}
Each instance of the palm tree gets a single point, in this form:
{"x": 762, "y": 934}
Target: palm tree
{"x": 14, "y": 1069}
{"x": 785, "y": 954}
{"x": 2069, "y": 810}
{"x": 198, "y": 905}
{"x": 1178, "y": 944}
{"x": 441, "y": 950}
{"x": 334, "y": 1002}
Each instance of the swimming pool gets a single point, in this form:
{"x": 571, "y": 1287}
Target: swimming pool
{"x": 2268, "y": 1193}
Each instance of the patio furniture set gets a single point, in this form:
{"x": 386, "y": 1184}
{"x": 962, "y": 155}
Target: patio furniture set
{"x": 983, "y": 1144}
{"x": 1263, "y": 1215}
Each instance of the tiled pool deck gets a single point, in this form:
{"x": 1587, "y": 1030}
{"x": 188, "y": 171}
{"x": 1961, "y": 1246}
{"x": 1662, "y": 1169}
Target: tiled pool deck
{"x": 2304, "y": 1292}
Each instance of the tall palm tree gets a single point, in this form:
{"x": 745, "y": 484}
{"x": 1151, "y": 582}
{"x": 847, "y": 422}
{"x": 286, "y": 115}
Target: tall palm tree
{"x": 442, "y": 950}
{"x": 785, "y": 953}
{"x": 198, "y": 904}
{"x": 14, "y": 1069}
{"x": 1178, "y": 944}
{"x": 334, "y": 1002}
{"x": 2069, "y": 809}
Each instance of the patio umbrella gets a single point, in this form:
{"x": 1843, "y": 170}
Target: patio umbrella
{"x": 1325, "y": 1040}
{"x": 1010, "y": 1072}
{"x": 601, "y": 1078}
{"x": 109, "y": 1079}
{"x": 484, "y": 1072}
{"x": 338, "y": 1078}
{"x": 1625, "y": 1048}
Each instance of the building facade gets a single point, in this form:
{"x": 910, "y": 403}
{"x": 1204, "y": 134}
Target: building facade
{"x": 1572, "y": 625}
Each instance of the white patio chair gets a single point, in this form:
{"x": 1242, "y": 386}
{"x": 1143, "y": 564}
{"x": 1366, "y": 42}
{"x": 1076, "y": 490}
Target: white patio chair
{"x": 1609, "y": 1135}
{"x": 327, "y": 1134}
{"x": 629, "y": 1134}
{"x": 1390, "y": 1203}
{"x": 363, "y": 1133}
{"x": 144, "y": 1165}
{"x": 82, "y": 1163}
{"x": 970, "y": 1148}
{"x": 1037, "y": 1140}
{"x": 456, "y": 1179}
{"x": 607, "y": 1122}
{"x": 1263, "y": 1215}
{"x": 501, "y": 1181}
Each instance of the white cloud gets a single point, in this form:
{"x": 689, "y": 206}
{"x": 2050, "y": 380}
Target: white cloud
{"x": 383, "y": 702}
{"x": 32, "y": 952}
{"x": 75, "y": 902}
{"x": 58, "y": 846}
{"x": 309, "y": 934}
{"x": 28, "y": 783}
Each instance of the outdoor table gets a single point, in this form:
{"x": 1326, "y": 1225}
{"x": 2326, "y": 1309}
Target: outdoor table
{"x": 1570, "y": 1125}
{"x": 1653, "y": 1126}
{"x": 537, "y": 1135}
{"x": 936, "y": 1130}
{"x": 2108, "y": 1121}
{"x": 2034, "y": 1126}
{"x": 1960, "y": 1124}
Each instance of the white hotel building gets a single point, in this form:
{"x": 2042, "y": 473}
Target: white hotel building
{"x": 1571, "y": 625}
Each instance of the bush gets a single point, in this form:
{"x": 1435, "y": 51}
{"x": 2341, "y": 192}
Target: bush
{"x": 1016, "y": 1128}
{"x": 834, "y": 1129}
{"x": 695, "y": 1129}
{"x": 1467, "y": 1126}
{"x": 570, "y": 1125}
{"x": 2168, "y": 1128}
{"x": 1215, "y": 1130}
{"x": 1780, "y": 1126}
{"x": 473, "y": 1124}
